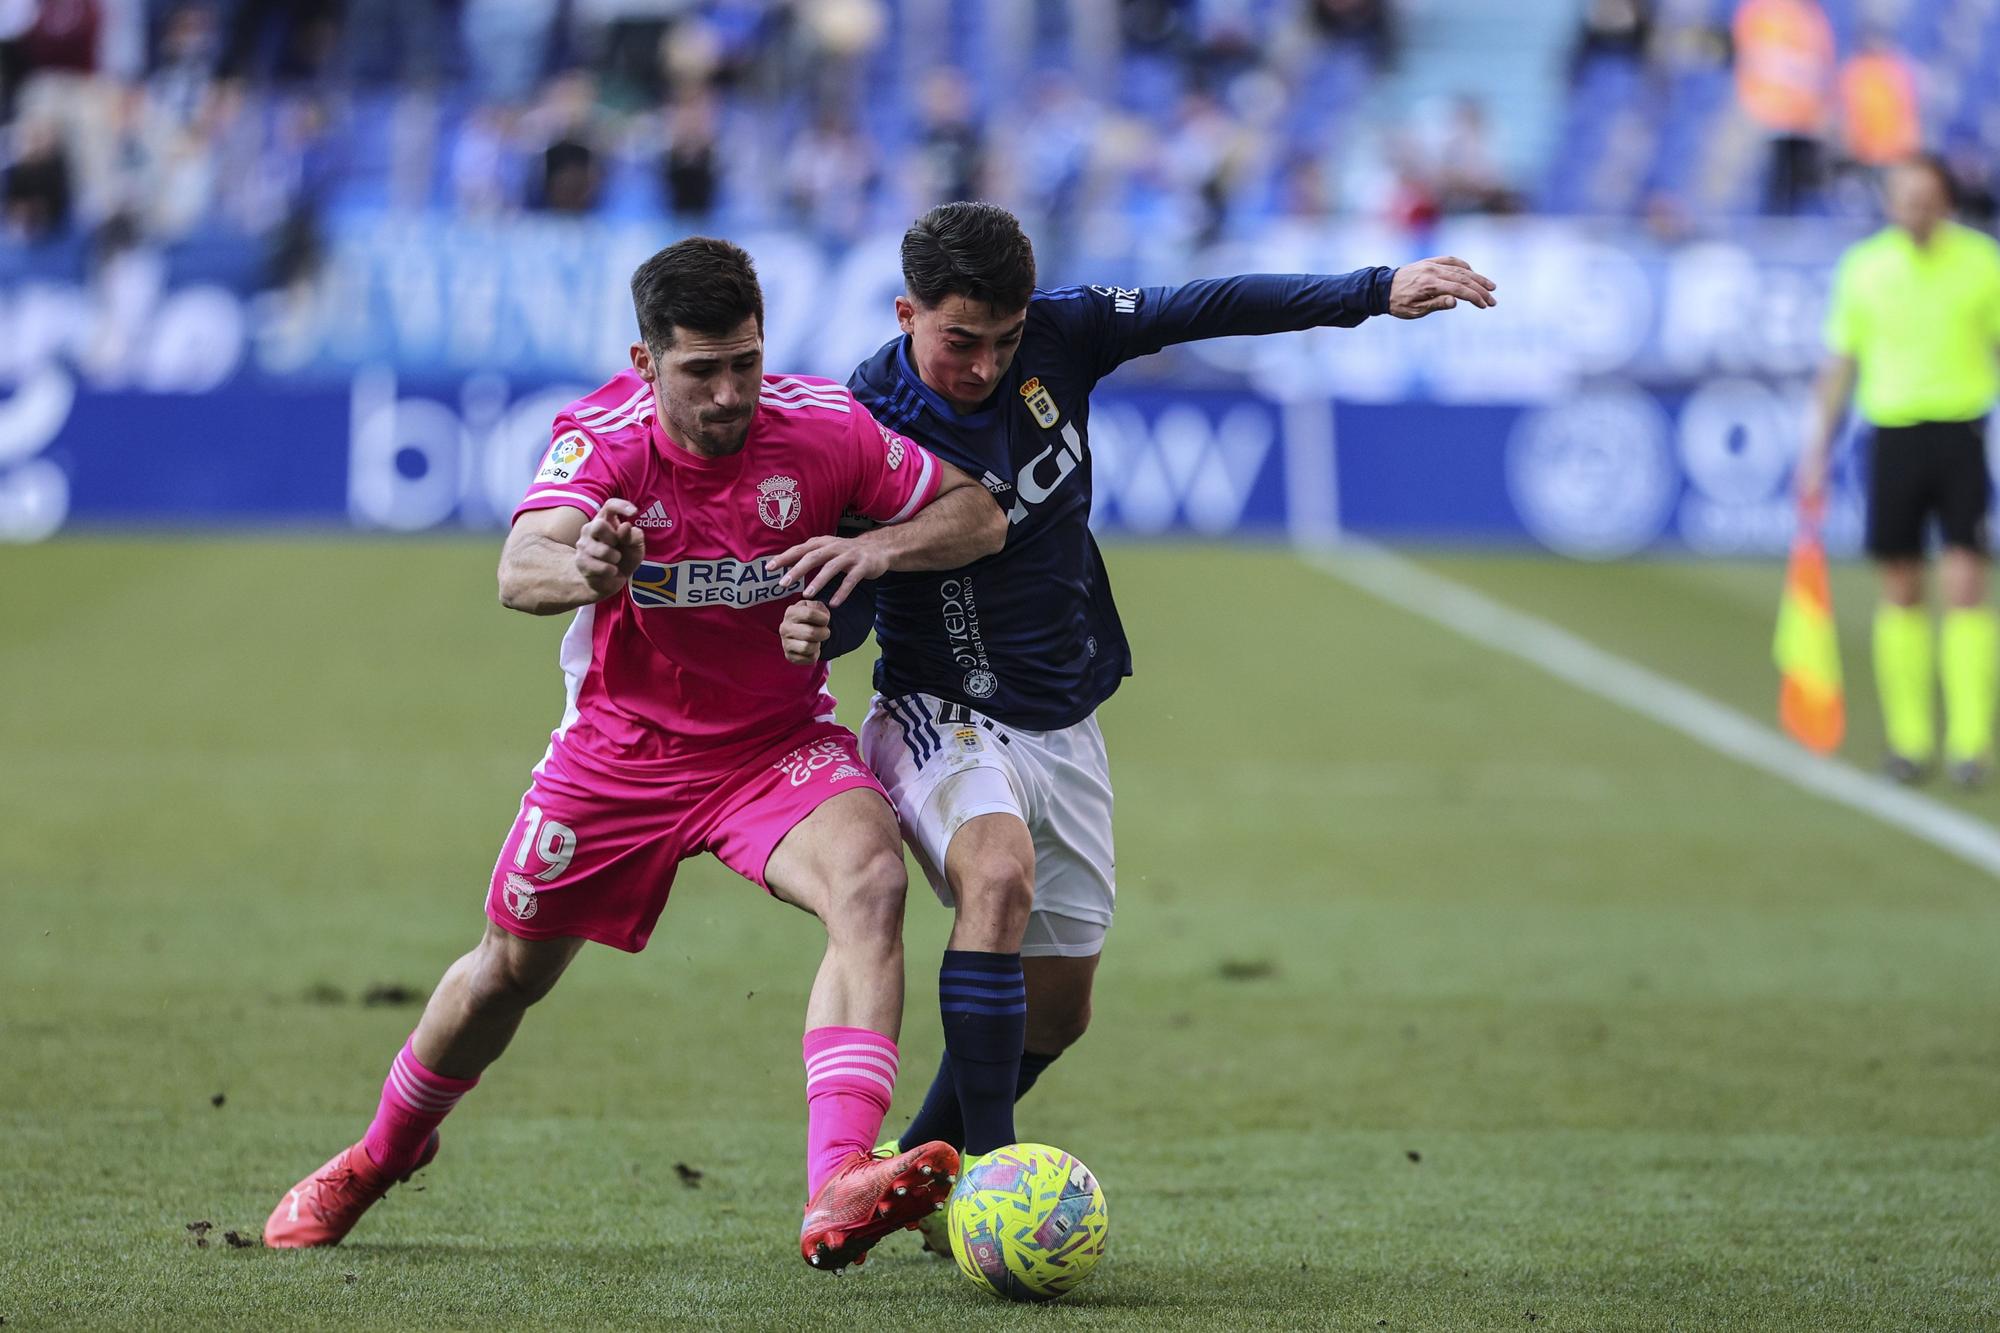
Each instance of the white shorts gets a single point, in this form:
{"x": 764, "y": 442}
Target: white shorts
{"x": 944, "y": 764}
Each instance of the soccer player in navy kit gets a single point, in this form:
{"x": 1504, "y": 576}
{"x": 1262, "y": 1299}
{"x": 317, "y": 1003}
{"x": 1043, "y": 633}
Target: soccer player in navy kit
{"x": 983, "y": 726}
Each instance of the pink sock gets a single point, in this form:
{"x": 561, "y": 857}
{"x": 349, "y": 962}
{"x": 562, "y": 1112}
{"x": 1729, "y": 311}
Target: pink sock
{"x": 414, "y": 1102}
{"x": 850, "y": 1076}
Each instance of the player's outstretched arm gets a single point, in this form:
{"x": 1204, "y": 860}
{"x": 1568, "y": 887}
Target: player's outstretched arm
{"x": 1116, "y": 324}
{"x": 961, "y": 524}
{"x": 556, "y": 560}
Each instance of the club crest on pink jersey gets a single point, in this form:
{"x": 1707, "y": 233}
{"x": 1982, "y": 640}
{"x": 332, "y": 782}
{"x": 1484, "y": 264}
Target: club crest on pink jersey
{"x": 778, "y": 501}
{"x": 520, "y": 896}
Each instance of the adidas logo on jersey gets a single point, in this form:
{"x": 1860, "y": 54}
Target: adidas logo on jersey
{"x": 654, "y": 517}
{"x": 994, "y": 484}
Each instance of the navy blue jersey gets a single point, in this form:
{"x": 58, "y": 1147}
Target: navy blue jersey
{"x": 1029, "y": 635}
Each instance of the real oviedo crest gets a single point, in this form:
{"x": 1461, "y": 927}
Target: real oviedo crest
{"x": 1041, "y": 403}
{"x": 778, "y": 501}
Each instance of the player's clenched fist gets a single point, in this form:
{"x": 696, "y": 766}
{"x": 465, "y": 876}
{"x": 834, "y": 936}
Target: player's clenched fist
{"x": 609, "y": 548}
{"x": 1437, "y": 284}
{"x": 806, "y": 626}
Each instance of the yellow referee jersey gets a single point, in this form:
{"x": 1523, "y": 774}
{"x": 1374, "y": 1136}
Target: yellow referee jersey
{"x": 1922, "y": 322}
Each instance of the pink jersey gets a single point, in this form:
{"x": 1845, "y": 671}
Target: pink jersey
{"x": 685, "y": 666}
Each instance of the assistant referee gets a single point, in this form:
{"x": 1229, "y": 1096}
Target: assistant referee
{"x": 1913, "y": 339}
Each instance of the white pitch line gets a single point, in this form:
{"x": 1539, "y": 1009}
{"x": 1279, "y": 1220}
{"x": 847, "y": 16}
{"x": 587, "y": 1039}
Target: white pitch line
{"x": 1409, "y": 587}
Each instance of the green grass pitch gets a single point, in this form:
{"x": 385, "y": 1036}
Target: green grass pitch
{"x": 1441, "y": 996}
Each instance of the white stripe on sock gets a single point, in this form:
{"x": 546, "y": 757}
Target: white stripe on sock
{"x": 885, "y": 1059}
{"x": 831, "y": 1068}
{"x": 884, "y": 1051}
{"x": 814, "y": 1081}
{"x": 420, "y": 1095}
{"x": 418, "y": 1101}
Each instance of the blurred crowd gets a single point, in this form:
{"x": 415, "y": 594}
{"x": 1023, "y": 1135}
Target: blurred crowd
{"x": 1817, "y": 97}
{"x": 1830, "y": 112}
{"x": 158, "y": 117}
{"x": 130, "y": 120}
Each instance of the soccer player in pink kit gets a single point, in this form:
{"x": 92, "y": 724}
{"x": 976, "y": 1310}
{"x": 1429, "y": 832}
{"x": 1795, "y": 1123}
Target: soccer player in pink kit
{"x": 679, "y": 510}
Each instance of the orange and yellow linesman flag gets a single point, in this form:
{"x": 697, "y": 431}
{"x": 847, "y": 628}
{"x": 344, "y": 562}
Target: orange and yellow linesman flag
{"x": 1806, "y": 647}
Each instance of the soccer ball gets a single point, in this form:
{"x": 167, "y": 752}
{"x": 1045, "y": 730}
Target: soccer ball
{"x": 1027, "y": 1222}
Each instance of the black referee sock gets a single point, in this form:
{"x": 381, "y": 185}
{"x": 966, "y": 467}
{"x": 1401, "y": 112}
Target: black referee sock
{"x": 983, "y": 1000}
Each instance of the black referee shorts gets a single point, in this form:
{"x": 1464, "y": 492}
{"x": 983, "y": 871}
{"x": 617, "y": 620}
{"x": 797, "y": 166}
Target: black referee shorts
{"x": 1934, "y": 468}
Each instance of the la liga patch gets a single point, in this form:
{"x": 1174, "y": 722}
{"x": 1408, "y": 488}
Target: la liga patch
{"x": 566, "y": 455}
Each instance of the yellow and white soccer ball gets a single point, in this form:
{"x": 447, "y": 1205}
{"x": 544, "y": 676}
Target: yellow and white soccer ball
{"x": 1028, "y": 1222}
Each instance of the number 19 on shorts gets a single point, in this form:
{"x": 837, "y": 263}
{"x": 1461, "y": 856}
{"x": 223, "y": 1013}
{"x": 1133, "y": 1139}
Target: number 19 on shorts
{"x": 554, "y": 843}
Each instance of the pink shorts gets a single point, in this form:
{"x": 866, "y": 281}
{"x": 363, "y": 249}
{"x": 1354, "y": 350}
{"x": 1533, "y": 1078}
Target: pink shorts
{"x": 593, "y": 854}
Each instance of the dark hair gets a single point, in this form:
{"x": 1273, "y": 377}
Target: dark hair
{"x": 1940, "y": 171}
{"x": 701, "y": 283}
{"x": 972, "y": 250}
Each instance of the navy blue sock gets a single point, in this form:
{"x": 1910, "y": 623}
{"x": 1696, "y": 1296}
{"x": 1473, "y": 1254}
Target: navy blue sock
{"x": 984, "y": 1002}
{"x": 938, "y": 1117}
